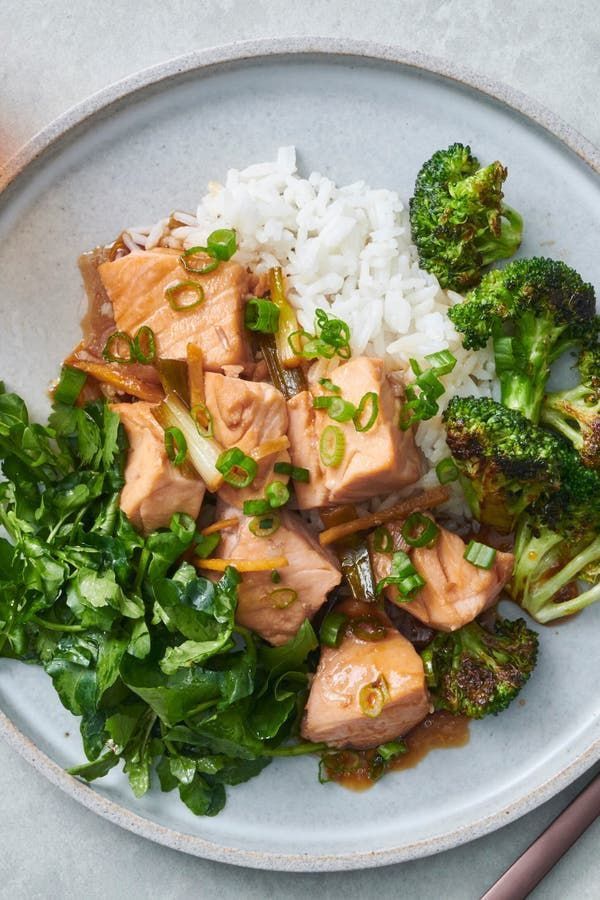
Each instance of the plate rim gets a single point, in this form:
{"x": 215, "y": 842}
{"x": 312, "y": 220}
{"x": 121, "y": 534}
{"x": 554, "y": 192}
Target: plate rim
{"x": 102, "y": 103}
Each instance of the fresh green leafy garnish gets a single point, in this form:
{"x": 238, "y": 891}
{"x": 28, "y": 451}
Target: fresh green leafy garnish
{"x": 139, "y": 646}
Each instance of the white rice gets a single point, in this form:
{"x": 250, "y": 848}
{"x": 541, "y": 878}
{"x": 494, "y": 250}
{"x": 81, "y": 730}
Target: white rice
{"x": 346, "y": 250}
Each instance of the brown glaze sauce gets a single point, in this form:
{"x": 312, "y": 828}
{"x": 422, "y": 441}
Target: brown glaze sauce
{"x": 357, "y": 770}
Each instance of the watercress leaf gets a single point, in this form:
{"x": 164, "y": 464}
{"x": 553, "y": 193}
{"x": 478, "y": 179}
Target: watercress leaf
{"x": 289, "y": 656}
{"x": 139, "y": 641}
{"x": 237, "y": 771}
{"x": 183, "y": 768}
{"x": 191, "y": 653}
{"x": 98, "y": 769}
{"x": 269, "y": 715}
{"x": 172, "y": 697}
{"x": 93, "y": 733}
{"x": 227, "y": 731}
{"x": 202, "y": 798}
{"x": 122, "y": 725}
{"x": 167, "y": 780}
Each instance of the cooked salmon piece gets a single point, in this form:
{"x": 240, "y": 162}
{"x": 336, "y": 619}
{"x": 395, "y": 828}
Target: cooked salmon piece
{"x": 136, "y": 286}
{"x": 154, "y": 488}
{"x": 455, "y": 591}
{"x": 365, "y": 693}
{"x": 247, "y": 414}
{"x": 378, "y": 461}
{"x": 276, "y": 610}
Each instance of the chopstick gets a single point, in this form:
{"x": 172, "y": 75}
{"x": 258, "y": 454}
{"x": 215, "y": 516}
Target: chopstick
{"x": 520, "y": 879}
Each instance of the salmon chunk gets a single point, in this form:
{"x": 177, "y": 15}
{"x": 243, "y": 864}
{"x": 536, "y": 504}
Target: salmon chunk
{"x": 276, "y": 610}
{"x": 247, "y": 414}
{"x": 378, "y": 461}
{"x": 365, "y": 693}
{"x": 154, "y": 488}
{"x": 136, "y": 285}
{"x": 455, "y": 591}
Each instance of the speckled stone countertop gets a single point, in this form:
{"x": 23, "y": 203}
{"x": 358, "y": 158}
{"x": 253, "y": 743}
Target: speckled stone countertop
{"x": 54, "y": 54}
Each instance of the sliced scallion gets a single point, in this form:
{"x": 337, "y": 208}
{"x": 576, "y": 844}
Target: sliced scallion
{"x": 328, "y": 384}
{"x": 391, "y": 750}
{"x": 264, "y": 526}
{"x": 372, "y": 697}
{"x": 442, "y": 362}
{"x": 175, "y": 445}
{"x": 177, "y": 291}
{"x": 297, "y": 473}
{"x": 222, "y": 243}
{"x": 202, "y": 416}
{"x": 368, "y": 628}
{"x": 119, "y": 348}
{"x": 256, "y": 507}
{"x": 187, "y": 260}
{"x": 480, "y": 555}
{"x": 236, "y": 468}
{"x": 419, "y": 530}
{"x": 332, "y": 446}
{"x": 144, "y": 345}
{"x": 403, "y": 576}
{"x": 277, "y": 494}
{"x": 367, "y": 412}
{"x": 261, "y": 315}
{"x": 332, "y": 629}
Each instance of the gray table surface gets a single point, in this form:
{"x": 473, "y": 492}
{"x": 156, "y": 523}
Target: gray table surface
{"x": 55, "y": 53}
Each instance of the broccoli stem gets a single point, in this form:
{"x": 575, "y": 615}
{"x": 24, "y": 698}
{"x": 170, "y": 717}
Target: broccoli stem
{"x": 569, "y": 607}
{"x": 523, "y": 377}
{"x": 567, "y": 574}
{"x": 553, "y": 418}
{"x": 510, "y": 237}
{"x": 531, "y": 553}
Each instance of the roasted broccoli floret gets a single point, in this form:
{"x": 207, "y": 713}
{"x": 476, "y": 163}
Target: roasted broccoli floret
{"x": 473, "y": 672}
{"x": 458, "y": 220}
{"x": 558, "y": 543}
{"x": 575, "y": 413}
{"x": 534, "y": 309}
{"x": 505, "y": 463}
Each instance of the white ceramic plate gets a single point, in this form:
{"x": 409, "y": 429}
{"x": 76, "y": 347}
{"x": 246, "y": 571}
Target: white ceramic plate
{"x": 149, "y": 145}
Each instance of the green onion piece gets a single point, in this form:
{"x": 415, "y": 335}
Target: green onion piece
{"x": 328, "y": 384}
{"x": 261, "y": 315}
{"x": 322, "y": 402}
{"x": 480, "y": 555}
{"x": 332, "y": 446}
{"x": 446, "y": 471}
{"x": 370, "y": 402}
{"x": 281, "y": 598}
{"x": 175, "y": 445}
{"x": 403, "y": 576}
{"x": 119, "y": 348}
{"x": 372, "y": 697}
{"x": 368, "y": 628}
{"x": 391, "y": 750}
{"x": 222, "y": 243}
{"x": 256, "y": 507}
{"x": 442, "y": 363}
{"x": 275, "y": 576}
{"x": 144, "y": 345}
{"x": 203, "y": 453}
{"x": 236, "y": 468}
{"x": 415, "y": 366}
{"x": 332, "y": 629}
{"x": 383, "y": 541}
{"x": 296, "y": 342}
{"x": 295, "y": 472}
{"x": 264, "y": 526}
{"x": 187, "y": 259}
{"x": 341, "y": 410}
{"x": 419, "y": 530}
{"x": 69, "y": 387}
{"x": 206, "y": 545}
{"x": 202, "y": 416}
{"x": 173, "y": 294}
{"x": 277, "y": 493}
{"x": 430, "y": 384}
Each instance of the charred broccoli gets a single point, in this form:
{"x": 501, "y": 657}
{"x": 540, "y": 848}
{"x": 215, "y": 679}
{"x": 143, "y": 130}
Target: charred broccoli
{"x": 505, "y": 463}
{"x": 457, "y": 217}
{"x": 534, "y": 309}
{"x": 575, "y": 413}
{"x": 473, "y": 672}
{"x": 557, "y": 543}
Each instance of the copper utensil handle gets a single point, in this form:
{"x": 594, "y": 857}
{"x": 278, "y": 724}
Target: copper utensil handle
{"x": 520, "y": 879}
